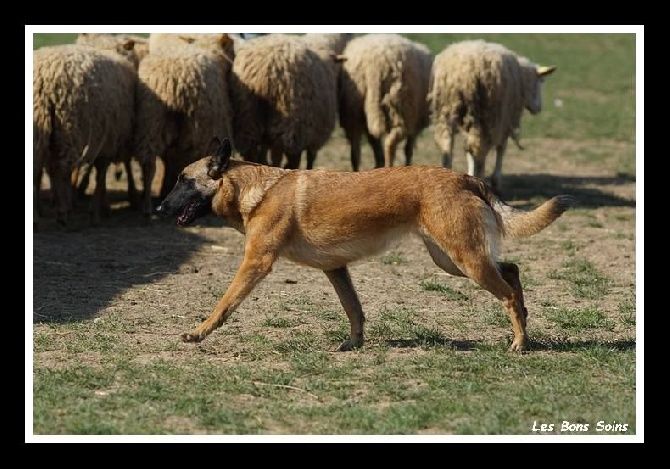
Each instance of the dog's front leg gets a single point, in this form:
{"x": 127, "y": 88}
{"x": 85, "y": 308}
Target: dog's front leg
{"x": 255, "y": 266}
{"x": 341, "y": 281}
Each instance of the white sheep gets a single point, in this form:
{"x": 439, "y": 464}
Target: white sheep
{"x": 83, "y": 111}
{"x": 284, "y": 97}
{"x": 383, "y": 88}
{"x": 182, "y": 102}
{"x": 482, "y": 89}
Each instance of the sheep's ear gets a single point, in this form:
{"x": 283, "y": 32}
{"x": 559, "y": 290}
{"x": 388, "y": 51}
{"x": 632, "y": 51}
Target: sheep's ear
{"x": 128, "y": 45}
{"x": 338, "y": 57}
{"x": 546, "y": 71}
{"x": 218, "y": 162}
{"x": 224, "y": 40}
{"x": 188, "y": 39}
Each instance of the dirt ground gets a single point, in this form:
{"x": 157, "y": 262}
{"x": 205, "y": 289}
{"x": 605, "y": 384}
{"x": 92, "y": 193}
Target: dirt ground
{"x": 155, "y": 280}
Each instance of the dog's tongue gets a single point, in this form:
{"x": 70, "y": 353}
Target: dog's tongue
{"x": 185, "y": 215}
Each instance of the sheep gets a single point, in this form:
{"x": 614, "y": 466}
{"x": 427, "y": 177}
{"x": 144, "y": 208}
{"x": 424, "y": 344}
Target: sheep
{"x": 182, "y": 102}
{"x": 482, "y": 89}
{"x": 119, "y": 43}
{"x": 383, "y": 89}
{"x": 284, "y": 98}
{"x": 327, "y": 42}
{"x": 116, "y": 42}
{"x": 83, "y": 110}
{"x": 329, "y": 47}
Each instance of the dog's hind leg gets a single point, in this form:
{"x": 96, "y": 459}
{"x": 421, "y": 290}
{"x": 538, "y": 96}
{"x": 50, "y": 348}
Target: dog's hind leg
{"x": 253, "y": 269}
{"x": 510, "y": 272}
{"x": 500, "y": 279}
{"x": 440, "y": 258}
{"x": 341, "y": 281}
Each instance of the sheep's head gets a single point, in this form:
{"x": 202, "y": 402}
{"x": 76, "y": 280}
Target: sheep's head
{"x": 534, "y": 76}
{"x": 131, "y": 48}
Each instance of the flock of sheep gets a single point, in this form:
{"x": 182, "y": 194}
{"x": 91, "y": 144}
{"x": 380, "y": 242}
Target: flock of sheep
{"x": 109, "y": 98}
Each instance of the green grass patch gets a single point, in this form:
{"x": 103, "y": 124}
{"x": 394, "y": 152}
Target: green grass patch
{"x": 393, "y": 258}
{"x": 580, "y": 318}
{"x": 586, "y": 281}
{"x": 450, "y": 293}
{"x": 627, "y": 312}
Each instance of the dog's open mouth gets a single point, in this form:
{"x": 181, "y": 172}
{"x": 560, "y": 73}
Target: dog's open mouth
{"x": 191, "y": 211}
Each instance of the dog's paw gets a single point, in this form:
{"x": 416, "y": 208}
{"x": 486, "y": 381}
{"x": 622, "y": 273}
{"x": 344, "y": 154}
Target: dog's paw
{"x": 192, "y": 337}
{"x": 518, "y": 345}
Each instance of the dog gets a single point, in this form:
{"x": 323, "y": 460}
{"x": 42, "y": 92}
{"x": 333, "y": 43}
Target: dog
{"x": 328, "y": 219}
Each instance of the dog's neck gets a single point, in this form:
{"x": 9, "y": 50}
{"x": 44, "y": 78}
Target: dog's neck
{"x": 250, "y": 182}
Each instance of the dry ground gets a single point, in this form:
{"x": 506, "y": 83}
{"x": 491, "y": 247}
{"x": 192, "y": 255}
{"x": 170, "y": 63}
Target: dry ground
{"x": 111, "y": 301}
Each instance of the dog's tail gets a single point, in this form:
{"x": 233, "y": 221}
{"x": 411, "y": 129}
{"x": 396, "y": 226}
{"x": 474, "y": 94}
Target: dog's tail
{"x": 516, "y": 223}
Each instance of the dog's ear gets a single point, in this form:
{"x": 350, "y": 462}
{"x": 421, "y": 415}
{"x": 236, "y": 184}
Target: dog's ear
{"x": 219, "y": 160}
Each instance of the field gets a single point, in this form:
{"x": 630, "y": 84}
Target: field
{"x": 111, "y": 301}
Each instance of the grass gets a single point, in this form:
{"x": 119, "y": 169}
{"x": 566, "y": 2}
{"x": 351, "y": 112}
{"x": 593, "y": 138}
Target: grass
{"x": 580, "y": 318}
{"x": 586, "y": 281}
{"x": 393, "y": 258}
{"x": 627, "y": 312}
{"x": 319, "y": 394}
{"x": 450, "y": 293}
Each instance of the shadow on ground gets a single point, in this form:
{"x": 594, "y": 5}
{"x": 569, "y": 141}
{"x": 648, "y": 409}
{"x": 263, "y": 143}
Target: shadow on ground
{"x": 77, "y": 271}
{"x": 527, "y": 186}
{"x": 580, "y": 345}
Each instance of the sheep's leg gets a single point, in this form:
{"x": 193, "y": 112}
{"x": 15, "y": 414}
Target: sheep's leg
{"x": 276, "y": 156}
{"x": 75, "y": 176}
{"x": 496, "y": 177}
{"x": 390, "y": 144}
{"x": 118, "y": 170}
{"x": 132, "y": 189}
{"x": 445, "y": 142}
{"x": 85, "y": 180}
{"x": 311, "y": 156}
{"x": 476, "y": 165}
{"x": 355, "y": 144}
{"x": 409, "y": 149}
{"x": 377, "y": 150}
{"x": 262, "y": 156}
{"x": 169, "y": 178}
{"x": 37, "y": 182}
{"x": 100, "y": 204}
{"x": 148, "y": 173}
{"x": 59, "y": 174}
{"x": 293, "y": 160}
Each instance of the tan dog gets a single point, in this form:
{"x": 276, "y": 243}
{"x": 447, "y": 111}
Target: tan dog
{"x": 327, "y": 219}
